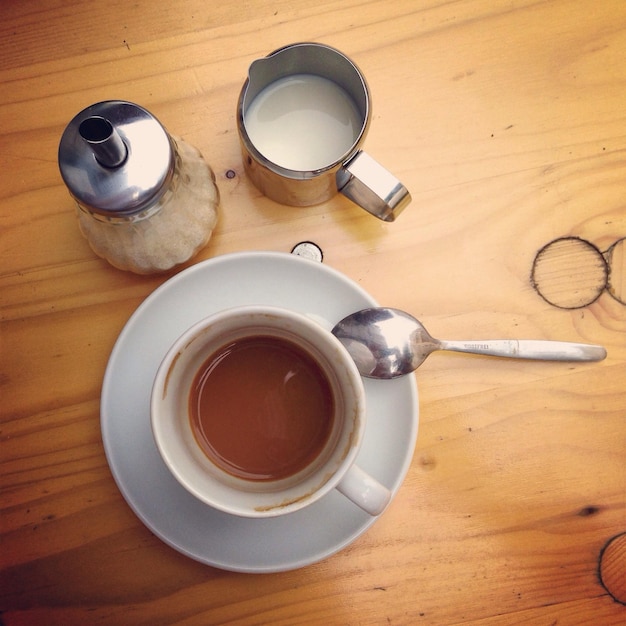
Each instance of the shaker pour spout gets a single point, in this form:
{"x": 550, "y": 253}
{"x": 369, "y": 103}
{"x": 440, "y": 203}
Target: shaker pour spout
{"x": 106, "y": 143}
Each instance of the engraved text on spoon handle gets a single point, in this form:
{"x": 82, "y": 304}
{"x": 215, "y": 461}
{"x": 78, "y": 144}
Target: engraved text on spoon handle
{"x": 529, "y": 349}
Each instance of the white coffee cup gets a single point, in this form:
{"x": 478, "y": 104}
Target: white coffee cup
{"x": 334, "y": 467}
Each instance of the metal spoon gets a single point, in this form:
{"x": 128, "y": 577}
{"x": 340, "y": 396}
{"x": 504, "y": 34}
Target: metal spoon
{"x": 386, "y": 343}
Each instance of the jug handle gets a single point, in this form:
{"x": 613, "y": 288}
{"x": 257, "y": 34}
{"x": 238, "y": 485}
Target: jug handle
{"x": 372, "y": 187}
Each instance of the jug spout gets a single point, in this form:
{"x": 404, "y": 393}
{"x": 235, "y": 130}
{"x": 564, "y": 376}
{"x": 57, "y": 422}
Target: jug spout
{"x": 104, "y": 140}
{"x": 261, "y": 73}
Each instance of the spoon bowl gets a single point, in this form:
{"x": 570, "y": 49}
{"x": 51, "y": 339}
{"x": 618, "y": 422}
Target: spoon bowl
{"x": 387, "y": 343}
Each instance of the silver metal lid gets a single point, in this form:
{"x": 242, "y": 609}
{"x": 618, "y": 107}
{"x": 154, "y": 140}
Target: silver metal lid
{"x": 308, "y": 250}
{"x": 116, "y": 158}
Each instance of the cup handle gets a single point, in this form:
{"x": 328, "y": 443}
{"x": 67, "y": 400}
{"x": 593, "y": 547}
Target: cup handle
{"x": 372, "y": 187}
{"x": 365, "y": 491}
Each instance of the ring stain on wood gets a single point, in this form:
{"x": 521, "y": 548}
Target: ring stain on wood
{"x": 569, "y": 273}
{"x": 612, "y": 567}
{"x": 616, "y": 259}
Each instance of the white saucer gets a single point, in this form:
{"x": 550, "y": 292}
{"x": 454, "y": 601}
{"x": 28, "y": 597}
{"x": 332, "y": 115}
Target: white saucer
{"x": 166, "y": 508}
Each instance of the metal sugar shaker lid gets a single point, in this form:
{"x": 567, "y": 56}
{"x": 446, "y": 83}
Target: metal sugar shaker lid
{"x": 116, "y": 158}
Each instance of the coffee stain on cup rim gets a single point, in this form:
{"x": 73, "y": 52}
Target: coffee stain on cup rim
{"x": 352, "y": 442}
{"x": 291, "y": 501}
{"x": 175, "y": 359}
{"x": 170, "y": 370}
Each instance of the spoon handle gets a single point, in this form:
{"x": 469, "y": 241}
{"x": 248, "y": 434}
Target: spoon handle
{"x": 529, "y": 349}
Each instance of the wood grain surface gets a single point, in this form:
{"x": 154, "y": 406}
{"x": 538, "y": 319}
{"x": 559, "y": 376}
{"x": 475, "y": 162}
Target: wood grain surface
{"x": 506, "y": 120}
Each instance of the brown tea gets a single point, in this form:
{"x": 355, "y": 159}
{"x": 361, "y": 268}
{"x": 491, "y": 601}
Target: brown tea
{"x": 261, "y": 408}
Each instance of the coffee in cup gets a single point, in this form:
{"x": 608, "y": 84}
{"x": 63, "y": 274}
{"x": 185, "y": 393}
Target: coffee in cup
{"x": 274, "y": 396}
{"x": 259, "y": 411}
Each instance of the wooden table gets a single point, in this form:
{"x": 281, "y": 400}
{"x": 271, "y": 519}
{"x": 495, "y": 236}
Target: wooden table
{"x": 506, "y": 121}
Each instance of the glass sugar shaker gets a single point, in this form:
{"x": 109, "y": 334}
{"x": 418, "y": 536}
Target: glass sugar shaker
{"x": 146, "y": 201}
